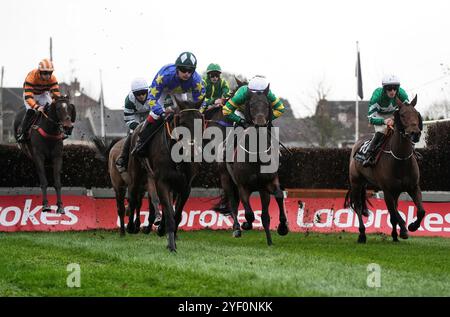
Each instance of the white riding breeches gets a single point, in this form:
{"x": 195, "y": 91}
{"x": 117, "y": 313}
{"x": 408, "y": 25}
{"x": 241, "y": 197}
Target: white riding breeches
{"x": 41, "y": 99}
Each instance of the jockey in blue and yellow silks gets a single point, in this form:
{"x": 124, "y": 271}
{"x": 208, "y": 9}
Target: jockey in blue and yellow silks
{"x": 172, "y": 79}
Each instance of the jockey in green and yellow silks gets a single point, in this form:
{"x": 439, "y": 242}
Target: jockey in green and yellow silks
{"x": 240, "y": 98}
{"x": 217, "y": 88}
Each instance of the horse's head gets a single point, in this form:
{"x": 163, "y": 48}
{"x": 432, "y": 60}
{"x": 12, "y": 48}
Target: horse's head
{"x": 65, "y": 111}
{"x": 258, "y": 110}
{"x": 187, "y": 115}
{"x": 408, "y": 120}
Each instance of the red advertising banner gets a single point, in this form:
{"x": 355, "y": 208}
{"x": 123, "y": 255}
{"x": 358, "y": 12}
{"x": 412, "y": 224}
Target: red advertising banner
{"x": 23, "y": 213}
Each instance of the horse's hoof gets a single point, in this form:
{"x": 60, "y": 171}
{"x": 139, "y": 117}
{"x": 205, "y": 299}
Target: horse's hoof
{"x": 122, "y": 233}
{"x": 157, "y": 220}
{"x": 362, "y": 239}
{"x": 269, "y": 243}
{"x": 130, "y": 228}
{"x": 147, "y": 229}
{"x": 413, "y": 227}
{"x": 237, "y": 233}
{"x": 46, "y": 208}
{"x": 160, "y": 231}
{"x": 395, "y": 240}
{"x": 172, "y": 248}
{"x": 60, "y": 210}
{"x": 247, "y": 226}
{"x": 404, "y": 235}
{"x": 282, "y": 229}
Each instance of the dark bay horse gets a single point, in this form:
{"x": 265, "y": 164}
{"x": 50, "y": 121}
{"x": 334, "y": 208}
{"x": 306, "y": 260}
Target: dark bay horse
{"x": 120, "y": 185}
{"x": 46, "y": 143}
{"x": 172, "y": 179}
{"x": 396, "y": 171}
{"x": 240, "y": 178}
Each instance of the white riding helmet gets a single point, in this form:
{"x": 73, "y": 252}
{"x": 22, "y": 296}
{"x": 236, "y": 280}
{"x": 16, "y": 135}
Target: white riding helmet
{"x": 139, "y": 84}
{"x": 390, "y": 80}
{"x": 258, "y": 84}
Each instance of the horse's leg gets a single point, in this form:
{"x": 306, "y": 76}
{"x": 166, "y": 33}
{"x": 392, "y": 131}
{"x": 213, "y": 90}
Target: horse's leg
{"x": 234, "y": 202}
{"x": 357, "y": 193}
{"x": 169, "y": 217}
{"x": 391, "y": 200}
{"x": 182, "y": 197}
{"x": 151, "y": 216}
{"x": 39, "y": 160}
{"x": 120, "y": 202}
{"x": 137, "y": 221}
{"x": 416, "y": 195}
{"x": 57, "y": 166}
{"x": 265, "y": 217}
{"x": 244, "y": 195}
{"x": 231, "y": 196}
{"x": 131, "y": 208}
{"x": 274, "y": 188}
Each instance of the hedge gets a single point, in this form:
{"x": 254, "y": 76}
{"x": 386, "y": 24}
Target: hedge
{"x": 305, "y": 168}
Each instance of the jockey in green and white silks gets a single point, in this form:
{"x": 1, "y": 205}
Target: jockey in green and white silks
{"x": 381, "y": 107}
{"x": 217, "y": 88}
{"x": 233, "y": 109}
{"x": 135, "y": 111}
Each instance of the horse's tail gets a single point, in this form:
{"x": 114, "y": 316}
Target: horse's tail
{"x": 102, "y": 148}
{"x": 357, "y": 201}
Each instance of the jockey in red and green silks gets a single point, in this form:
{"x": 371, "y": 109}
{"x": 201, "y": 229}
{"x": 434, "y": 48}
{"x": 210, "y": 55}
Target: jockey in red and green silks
{"x": 234, "y": 107}
{"x": 381, "y": 108}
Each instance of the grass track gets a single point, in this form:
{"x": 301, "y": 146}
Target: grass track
{"x": 212, "y": 263}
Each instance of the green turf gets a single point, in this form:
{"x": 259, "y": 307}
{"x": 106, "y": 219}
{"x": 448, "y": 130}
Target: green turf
{"x": 212, "y": 263}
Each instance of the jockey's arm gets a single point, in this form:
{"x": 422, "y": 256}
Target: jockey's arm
{"x": 234, "y": 104}
{"x": 129, "y": 114}
{"x": 277, "y": 105}
{"x": 198, "y": 89}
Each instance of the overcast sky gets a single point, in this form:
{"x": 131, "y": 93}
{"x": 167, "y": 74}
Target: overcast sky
{"x": 295, "y": 44}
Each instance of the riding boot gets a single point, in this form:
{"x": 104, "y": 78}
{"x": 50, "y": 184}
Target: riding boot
{"x": 370, "y": 153}
{"x": 26, "y": 125}
{"x": 122, "y": 160}
{"x": 147, "y": 130}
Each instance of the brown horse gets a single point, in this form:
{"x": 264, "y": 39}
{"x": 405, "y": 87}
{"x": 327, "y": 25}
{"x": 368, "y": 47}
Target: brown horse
{"x": 46, "y": 143}
{"x": 240, "y": 178}
{"x": 172, "y": 179}
{"x": 396, "y": 171}
{"x": 120, "y": 185}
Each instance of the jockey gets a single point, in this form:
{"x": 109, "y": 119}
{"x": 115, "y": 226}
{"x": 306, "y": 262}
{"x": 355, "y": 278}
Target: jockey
{"x": 234, "y": 106}
{"x": 217, "y": 89}
{"x": 40, "y": 88}
{"x": 172, "y": 79}
{"x": 381, "y": 107}
{"x": 135, "y": 111}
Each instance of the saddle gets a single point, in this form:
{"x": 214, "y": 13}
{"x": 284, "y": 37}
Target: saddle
{"x": 360, "y": 154}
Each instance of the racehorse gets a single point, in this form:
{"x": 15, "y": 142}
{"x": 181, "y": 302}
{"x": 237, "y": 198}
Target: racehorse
{"x": 396, "y": 171}
{"x": 120, "y": 185}
{"x": 46, "y": 143}
{"x": 240, "y": 179}
{"x": 172, "y": 179}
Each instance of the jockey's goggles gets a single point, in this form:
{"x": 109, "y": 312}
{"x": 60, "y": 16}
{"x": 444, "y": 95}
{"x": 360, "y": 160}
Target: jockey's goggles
{"x": 140, "y": 92}
{"x": 214, "y": 74}
{"x": 185, "y": 70}
{"x": 390, "y": 87}
{"x": 44, "y": 72}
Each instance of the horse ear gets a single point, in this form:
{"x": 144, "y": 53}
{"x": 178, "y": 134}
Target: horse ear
{"x": 238, "y": 82}
{"x": 67, "y": 96}
{"x": 73, "y": 113}
{"x": 420, "y": 122}
{"x": 414, "y": 101}
{"x": 266, "y": 91}
{"x": 399, "y": 102}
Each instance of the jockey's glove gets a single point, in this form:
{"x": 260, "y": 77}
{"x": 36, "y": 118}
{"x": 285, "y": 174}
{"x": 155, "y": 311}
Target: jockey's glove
{"x": 243, "y": 123}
